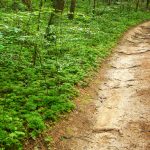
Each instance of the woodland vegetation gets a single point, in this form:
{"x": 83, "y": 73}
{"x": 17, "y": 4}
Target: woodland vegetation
{"x": 47, "y": 48}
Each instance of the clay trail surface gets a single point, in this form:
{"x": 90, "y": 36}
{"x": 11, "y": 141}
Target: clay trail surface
{"x": 118, "y": 116}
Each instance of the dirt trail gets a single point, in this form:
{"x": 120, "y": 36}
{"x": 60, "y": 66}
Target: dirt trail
{"x": 119, "y": 116}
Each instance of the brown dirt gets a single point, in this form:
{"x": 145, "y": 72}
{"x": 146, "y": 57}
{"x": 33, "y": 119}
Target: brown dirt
{"x": 113, "y": 113}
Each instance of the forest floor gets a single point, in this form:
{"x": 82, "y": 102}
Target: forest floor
{"x": 113, "y": 111}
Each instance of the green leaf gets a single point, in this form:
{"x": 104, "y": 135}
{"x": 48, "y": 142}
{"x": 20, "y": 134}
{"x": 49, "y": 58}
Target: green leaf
{"x": 2, "y": 47}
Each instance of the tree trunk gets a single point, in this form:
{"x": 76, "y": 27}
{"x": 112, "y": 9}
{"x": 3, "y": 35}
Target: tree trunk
{"x": 72, "y": 9}
{"x": 109, "y": 2}
{"x": 147, "y": 4}
{"x": 94, "y": 6}
{"x": 28, "y": 3}
{"x": 137, "y": 5}
{"x": 58, "y": 5}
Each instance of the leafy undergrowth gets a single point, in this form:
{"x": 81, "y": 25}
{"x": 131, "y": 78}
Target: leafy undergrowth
{"x": 38, "y": 75}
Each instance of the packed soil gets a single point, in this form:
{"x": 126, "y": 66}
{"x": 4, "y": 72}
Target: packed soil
{"x": 113, "y": 112}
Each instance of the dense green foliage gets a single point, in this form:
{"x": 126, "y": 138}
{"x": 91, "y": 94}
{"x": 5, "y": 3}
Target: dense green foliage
{"x": 38, "y": 75}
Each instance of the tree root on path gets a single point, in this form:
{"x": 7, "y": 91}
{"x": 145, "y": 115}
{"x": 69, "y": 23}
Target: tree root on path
{"x": 145, "y": 131}
{"x": 84, "y": 138}
{"x": 104, "y": 130}
{"x": 134, "y": 66}
{"x": 136, "y": 53}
